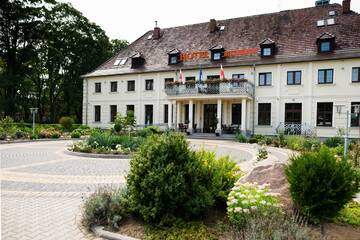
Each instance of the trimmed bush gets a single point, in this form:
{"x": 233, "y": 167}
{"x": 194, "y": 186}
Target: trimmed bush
{"x": 256, "y": 138}
{"x": 168, "y": 180}
{"x": 105, "y": 207}
{"x": 320, "y": 184}
{"x": 66, "y": 122}
{"x": 334, "y": 141}
{"x": 49, "y": 133}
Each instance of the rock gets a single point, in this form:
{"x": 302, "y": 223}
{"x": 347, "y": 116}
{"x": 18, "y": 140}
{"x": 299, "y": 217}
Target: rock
{"x": 274, "y": 175}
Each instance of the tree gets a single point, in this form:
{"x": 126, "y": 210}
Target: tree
{"x": 118, "y": 44}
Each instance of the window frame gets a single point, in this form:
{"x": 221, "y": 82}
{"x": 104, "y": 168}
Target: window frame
{"x": 113, "y": 116}
{"x": 322, "y": 123}
{"x": 149, "y": 84}
{"x": 238, "y": 74}
{"x": 213, "y": 77}
{"x": 111, "y": 86}
{"x": 97, "y": 117}
{"x": 151, "y": 107}
{"x": 326, "y": 76}
{"x": 293, "y": 73}
{"x": 358, "y": 74}
{"x": 264, "y": 116}
{"x": 354, "y": 122}
{"x": 266, "y": 81}
{"x": 98, "y": 87}
{"x": 131, "y": 83}
{"x": 166, "y": 113}
{"x": 130, "y": 106}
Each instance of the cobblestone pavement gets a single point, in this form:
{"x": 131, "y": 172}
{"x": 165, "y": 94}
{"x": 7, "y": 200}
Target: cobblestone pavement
{"x": 42, "y": 189}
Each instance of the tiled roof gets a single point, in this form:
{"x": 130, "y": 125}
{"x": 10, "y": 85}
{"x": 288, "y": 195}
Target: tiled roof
{"x": 294, "y": 31}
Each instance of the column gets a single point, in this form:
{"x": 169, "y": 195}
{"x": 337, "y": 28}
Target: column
{"x": 191, "y": 109}
{"x": 170, "y": 116}
{"x": 178, "y": 119}
{"x": 243, "y": 116}
{"x": 218, "y": 126}
{"x": 197, "y": 115}
{"x": 225, "y": 114}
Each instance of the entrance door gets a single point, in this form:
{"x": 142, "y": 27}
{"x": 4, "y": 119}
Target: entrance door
{"x": 210, "y": 111}
{"x": 293, "y": 114}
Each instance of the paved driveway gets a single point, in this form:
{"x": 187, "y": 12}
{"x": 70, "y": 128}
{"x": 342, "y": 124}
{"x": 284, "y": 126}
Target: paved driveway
{"x": 42, "y": 189}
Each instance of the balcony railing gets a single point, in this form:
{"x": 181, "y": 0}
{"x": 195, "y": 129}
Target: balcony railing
{"x": 240, "y": 87}
{"x": 295, "y": 129}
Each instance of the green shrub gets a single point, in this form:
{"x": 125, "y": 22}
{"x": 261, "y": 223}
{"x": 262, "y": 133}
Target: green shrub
{"x": 168, "y": 181}
{"x": 3, "y": 134}
{"x": 76, "y": 133}
{"x": 19, "y": 134}
{"x": 224, "y": 173}
{"x": 320, "y": 184}
{"x": 66, "y": 122}
{"x": 295, "y": 142}
{"x": 350, "y": 214}
{"x": 256, "y": 138}
{"x": 241, "y": 138}
{"x": 107, "y": 140}
{"x": 246, "y": 200}
{"x": 334, "y": 141}
{"x": 355, "y": 154}
{"x": 311, "y": 144}
{"x": 8, "y": 126}
{"x": 105, "y": 207}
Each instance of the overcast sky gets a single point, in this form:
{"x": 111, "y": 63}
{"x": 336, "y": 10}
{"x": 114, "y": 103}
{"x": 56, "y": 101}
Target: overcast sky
{"x": 129, "y": 19}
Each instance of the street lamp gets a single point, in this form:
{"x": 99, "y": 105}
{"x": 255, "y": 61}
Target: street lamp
{"x": 33, "y": 112}
{"x": 346, "y": 137}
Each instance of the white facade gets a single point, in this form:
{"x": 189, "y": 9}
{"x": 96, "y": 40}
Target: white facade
{"x": 342, "y": 92}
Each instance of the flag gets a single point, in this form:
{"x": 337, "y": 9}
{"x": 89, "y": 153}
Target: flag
{"x": 222, "y": 73}
{"x": 181, "y": 77}
{"x": 200, "y": 73}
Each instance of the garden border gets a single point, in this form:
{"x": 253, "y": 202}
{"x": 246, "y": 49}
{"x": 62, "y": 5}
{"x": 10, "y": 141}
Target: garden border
{"x": 100, "y": 232}
{"x": 37, "y": 140}
{"x": 97, "y": 155}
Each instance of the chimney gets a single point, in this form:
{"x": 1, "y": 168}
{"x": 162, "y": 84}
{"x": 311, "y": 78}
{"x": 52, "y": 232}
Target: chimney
{"x": 212, "y": 25}
{"x": 346, "y": 6}
{"x": 156, "y": 32}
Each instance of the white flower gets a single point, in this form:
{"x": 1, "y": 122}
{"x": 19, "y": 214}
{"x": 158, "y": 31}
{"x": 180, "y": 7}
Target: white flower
{"x": 244, "y": 202}
{"x": 245, "y": 210}
{"x": 252, "y": 200}
{"x": 253, "y": 207}
{"x": 238, "y": 209}
{"x": 263, "y": 202}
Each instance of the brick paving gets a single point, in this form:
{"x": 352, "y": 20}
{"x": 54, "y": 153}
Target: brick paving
{"x": 42, "y": 189}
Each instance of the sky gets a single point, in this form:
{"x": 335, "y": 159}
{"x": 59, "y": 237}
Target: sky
{"x": 130, "y": 19}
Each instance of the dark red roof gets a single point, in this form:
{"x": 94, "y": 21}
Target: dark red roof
{"x": 294, "y": 32}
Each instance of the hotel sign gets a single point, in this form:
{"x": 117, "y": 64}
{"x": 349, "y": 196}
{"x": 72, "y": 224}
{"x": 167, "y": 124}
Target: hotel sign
{"x": 188, "y": 56}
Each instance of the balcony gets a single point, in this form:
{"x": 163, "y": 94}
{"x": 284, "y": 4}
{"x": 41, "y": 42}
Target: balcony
{"x": 210, "y": 87}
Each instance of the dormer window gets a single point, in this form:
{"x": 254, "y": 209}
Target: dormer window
{"x": 174, "y": 56}
{"x": 267, "y": 48}
{"x": 137, "y": 60}
{"x": 217, "y": 53}
{"x": 326, "y": 43}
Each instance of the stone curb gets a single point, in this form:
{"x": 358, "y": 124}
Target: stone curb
{"x": 37, "y": 140}
{"x": 100, "y": 232}
{"x": 97, "y": 155}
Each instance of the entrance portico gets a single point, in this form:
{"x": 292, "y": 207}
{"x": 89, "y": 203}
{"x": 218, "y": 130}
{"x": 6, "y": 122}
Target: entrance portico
{"x": 210, "y": 115}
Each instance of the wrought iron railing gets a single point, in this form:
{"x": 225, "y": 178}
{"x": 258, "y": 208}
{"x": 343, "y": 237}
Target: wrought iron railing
{"x": 203, "y": 88}
{"x": 296, "y": 129}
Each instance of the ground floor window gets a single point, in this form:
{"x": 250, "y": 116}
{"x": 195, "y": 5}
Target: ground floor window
{"x": 97, "y": 110}
{"x": 355, "y": 114}
{"x": 236, "y": 114}
{"x": 113, "y": 111}
{"x": 324, "y": 114}
{"x": 264, "y": 114}
{"x": 166, "y": 113}
{"x": 149, "y": 114}
{"x": 130, "y": 108}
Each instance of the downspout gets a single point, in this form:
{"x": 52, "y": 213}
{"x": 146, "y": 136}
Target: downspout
{"x": 254, "y": 99}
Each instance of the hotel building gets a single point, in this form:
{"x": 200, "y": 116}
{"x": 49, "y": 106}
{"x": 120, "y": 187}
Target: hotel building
{"x": 296, "y": 71}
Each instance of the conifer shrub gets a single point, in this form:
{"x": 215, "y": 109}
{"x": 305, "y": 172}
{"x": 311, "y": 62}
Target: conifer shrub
{"x": 66, "y": 123}
{"x": 321, "y": 184}
{"x": 169, "y": 181}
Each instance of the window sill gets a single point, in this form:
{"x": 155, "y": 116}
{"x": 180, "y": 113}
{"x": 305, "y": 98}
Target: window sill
{"x": 355, "y": 83}
{"x": 265, "y": 86}
{"x": 149, "y": 91}
{"x": 294, "y": 85}
{"x": 96, "y": 122}
{"x": 130, "y": 91}
{"x": 326, "y": 84}
{"x": 325, "y": 127}
{"x": 113, "y": 92}
{"x": 96, "y": 92}
{"x": 264, "y": 126}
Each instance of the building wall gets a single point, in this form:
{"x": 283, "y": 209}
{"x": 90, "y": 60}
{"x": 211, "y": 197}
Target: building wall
{"x": 341, "y": 92}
